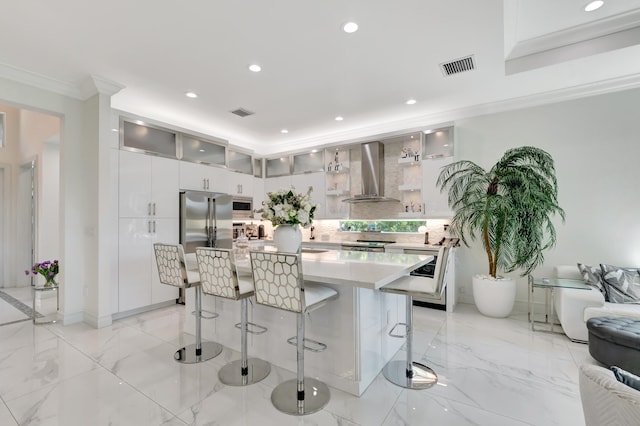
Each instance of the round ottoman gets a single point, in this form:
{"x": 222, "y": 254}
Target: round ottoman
{"x": 615, "y": 341}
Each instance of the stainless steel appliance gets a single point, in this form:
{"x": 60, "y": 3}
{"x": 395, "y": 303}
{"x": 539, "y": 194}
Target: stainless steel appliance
{"x": 364, "y": 245}
{"x": 205, "y": 220}
{"x": 238, "y": 228}
{"x": 372, "y": 173}
{"x": 242, "y": 208}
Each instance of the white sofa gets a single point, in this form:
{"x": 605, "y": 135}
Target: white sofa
{"x": 574, "y": 307}
{"x": 605, "y": 401}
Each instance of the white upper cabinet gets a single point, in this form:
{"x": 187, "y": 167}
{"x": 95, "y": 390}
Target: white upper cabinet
{"x": 148, "y": 186}
{"x": 240, "y": 184}
{"x": 316, "y": 181}
{"x": 436, "y": 203}
{"x": 277, "y": 183}
{"x": 200, "y": 177}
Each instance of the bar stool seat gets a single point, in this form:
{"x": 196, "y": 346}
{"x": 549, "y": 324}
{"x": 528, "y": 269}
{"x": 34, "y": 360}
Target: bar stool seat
{"x": 172, "y": 270}
{"x": 279, "y": 283}
{"x": 219, "y": 278}
{"x": 408, "y": 373}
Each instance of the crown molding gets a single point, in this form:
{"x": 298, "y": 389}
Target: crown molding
{"x": 40, "y": 81}
{"x": 94, "y": 84}
{"x": 429, "y": 120}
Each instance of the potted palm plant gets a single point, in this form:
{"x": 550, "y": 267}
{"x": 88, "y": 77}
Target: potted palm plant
{"x": 509, "y": 208}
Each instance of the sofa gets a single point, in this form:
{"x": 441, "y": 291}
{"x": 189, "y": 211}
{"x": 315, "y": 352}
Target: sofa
{"x": 574, "y": 307}
{"x": 606, "y": 401}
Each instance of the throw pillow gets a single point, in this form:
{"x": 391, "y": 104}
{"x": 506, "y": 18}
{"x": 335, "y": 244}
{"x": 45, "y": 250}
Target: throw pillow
{"x": 627, "y": 378}
{"x": 592, "y": 275}
{"x": 622, "y": 284}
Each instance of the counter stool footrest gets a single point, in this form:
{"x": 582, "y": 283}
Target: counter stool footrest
{"x": 392, "y": 332}
{"x": 206, "y": 314}
{"x": 253, "y": 328}
{"x": 314, "y": 347}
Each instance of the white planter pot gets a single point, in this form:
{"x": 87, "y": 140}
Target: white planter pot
{"x": 494, "y": 297}
{"x": 288, "y": 238}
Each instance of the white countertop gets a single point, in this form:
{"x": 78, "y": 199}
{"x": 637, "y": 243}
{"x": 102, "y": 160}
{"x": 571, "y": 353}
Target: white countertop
{"x": 353, "y": 268}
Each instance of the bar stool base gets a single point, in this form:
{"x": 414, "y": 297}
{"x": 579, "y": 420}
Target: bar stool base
{"x": 285, "y": 397}
{"x": 231, "y": 374}
{"x": 187, "y": 355}
{"x": 423, "y": 376}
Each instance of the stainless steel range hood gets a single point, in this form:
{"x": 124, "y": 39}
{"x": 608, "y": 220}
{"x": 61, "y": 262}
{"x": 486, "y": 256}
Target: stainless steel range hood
{"x": 372, "y": 175}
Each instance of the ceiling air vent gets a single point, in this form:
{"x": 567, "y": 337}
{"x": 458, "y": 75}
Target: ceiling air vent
{"x": 241, "y": 112}
{"x": 457, "y": 66}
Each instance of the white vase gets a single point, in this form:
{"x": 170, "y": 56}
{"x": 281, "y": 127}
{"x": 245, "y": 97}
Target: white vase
{"x": 494, "y": 297}
{"x": 288, "y": 238}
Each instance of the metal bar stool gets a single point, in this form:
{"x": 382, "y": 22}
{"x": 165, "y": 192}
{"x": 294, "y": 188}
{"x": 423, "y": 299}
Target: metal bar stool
{"x": 219, "y": 277}
{"x": 408, "y": 373}
{"x": 278, "y": 282}
{"x": 172, "y": 270}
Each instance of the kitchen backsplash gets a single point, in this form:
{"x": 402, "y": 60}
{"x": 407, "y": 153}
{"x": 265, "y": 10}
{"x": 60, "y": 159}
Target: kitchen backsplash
{"x": 327, "y": 231}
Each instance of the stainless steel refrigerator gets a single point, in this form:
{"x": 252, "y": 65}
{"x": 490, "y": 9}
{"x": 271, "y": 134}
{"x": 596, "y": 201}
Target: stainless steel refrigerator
{"x": 205, "y": 220}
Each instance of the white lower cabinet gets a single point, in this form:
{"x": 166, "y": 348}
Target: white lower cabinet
{"x": 138, "y": 283}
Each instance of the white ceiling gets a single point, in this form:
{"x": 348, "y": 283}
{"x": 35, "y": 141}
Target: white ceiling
{"x": 312, "y": 71}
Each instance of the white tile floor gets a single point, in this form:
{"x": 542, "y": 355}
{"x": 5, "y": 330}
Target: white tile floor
{"x": 491, "y": 372}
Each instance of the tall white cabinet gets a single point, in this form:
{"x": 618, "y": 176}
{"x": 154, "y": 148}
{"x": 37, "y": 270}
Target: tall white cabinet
{"x": 148, "y": 213}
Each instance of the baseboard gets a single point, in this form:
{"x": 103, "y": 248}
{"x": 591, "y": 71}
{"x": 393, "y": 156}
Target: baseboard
{"x": 97, "y": 322}
{"x": 120, "y": 315}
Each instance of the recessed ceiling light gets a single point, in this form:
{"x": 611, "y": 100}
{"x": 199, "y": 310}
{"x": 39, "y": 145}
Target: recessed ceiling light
{"x": 593, "y": 6}
{"x": 411, "y": 102}
{"x": 140, "y": 122}
{"x": 350, "y": 27}
{"x": 338, "y": 118}
{"x": 255, "y": 68}
{"x": 191, "y": 95}
{"x": 284, "y": 131}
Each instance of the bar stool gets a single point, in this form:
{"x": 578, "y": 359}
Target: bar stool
{"x": 278, "y": 282}
{"x": 172, "y": 270}
{"x": 408, "y": 373}
{"x": 219, "y": 277}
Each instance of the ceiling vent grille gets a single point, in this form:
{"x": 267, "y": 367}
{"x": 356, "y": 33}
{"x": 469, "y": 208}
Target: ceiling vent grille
{"x": 241, "y": 112}
{"x": 459, "y": 65}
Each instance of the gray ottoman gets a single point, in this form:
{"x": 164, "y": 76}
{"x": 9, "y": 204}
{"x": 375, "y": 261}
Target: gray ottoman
{"x": 615, "y": 341}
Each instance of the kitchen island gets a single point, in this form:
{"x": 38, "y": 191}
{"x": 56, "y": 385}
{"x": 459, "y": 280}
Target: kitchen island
{"x": 354, "y": 326}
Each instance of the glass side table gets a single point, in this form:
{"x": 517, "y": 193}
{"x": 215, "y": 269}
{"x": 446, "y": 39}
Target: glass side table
{"x": 549, "y": 285}
{"x": 46, "y": 318}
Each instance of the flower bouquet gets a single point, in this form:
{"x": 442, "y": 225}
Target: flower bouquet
{"x": 288, "y": 207}
{"x": 48, "y": 269}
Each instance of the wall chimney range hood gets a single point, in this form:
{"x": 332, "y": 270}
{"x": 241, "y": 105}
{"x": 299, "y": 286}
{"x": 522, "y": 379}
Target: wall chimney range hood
{"x": 372, "y": 175}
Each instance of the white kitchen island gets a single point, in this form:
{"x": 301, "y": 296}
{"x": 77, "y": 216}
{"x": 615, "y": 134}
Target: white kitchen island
{"x": 354, "y": 326}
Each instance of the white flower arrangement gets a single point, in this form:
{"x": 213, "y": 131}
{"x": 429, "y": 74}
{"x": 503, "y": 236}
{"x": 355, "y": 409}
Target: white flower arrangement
{"x": 288, "y": 207}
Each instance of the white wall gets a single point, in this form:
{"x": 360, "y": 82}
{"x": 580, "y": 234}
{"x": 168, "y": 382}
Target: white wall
{"x": 595, "y": 144}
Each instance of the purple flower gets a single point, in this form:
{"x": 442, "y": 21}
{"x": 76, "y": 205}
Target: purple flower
{"x": 51, "y": 275}
{"x": 26, "y": 272}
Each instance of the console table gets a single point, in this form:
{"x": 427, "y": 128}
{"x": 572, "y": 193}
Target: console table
{"x": 549, "y": 285}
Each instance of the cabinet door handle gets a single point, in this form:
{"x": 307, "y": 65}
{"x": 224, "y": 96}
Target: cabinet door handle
{"x": 239, "y": 189}
{"x": 149, "y": 209}
{"x": 204, "y": 183}
{"x": 154, "y": 209}
{"x": 149, "y": 226}
{"x": 154, "y": 226}
{"x": 207, "y": 183}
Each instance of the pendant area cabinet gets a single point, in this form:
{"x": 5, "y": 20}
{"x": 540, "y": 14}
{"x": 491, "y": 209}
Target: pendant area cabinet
{"x": 148, "y": 213}
{"x": 337, "y": 183}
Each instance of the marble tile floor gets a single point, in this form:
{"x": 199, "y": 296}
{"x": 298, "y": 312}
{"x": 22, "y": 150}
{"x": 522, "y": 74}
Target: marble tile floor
{"x": 491, "y": 372}
{"x": 16, "y": 304}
